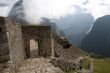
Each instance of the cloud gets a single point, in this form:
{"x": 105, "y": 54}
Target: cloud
{"x": 55, "y": 9}
{"x": 36, "y": 9}
{"x": 5, "y": 6}
{"x": 96, "y": 8}
{"x": 87, "y": 1}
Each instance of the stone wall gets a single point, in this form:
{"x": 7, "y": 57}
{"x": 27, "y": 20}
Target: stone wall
{"x": 70, "y": 52}
{"x": 68, "y": 65}
{"x": 18, "y": 37}
{"x": 66, "y": 58}
{"x": 42, "y": 34}
{"x": 64, "y": 64}
{"x": 4, "y": 50}
{"x": 15, "y": 43}
{"x": 62, "y": 41}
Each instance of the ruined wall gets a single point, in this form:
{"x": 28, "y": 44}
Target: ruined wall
{"x": 15, "y": 43}
{"x": 70, "y": 52}
{"x": 42, "y": 34}
{"x": 67, "y": 58}
{"x": 4, "y": 50}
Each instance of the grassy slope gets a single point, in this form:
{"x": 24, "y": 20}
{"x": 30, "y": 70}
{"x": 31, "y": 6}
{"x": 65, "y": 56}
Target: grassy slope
{"x": 102, "y": 66}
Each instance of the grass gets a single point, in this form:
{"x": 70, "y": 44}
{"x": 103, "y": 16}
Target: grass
{"x": 86, "y": 63}
{"x": 102, "y": 66}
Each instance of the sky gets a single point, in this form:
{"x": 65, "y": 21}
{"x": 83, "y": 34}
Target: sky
{"x": 5, "y": 6}
{"x": 55, "y": 9}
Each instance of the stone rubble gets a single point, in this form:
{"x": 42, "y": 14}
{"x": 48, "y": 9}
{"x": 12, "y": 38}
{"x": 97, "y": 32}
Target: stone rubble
{"x": 67, "y": 65}
{"x": 37, "y": 65}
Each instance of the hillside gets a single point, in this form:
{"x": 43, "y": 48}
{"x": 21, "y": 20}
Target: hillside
{"x": 98, "y": 40}
{"x": 75, "y": 26}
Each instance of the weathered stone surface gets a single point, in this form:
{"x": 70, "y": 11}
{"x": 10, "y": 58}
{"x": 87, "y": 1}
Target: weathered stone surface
{"x": 15, "y": 43}
{"x": 70, "y": 53}
{"x": 67, "y": 65}
{"x": 64, "y": 64}
{"x": 4, "y": 50}
{"x": 41, "y": 34}
{"x": 18, "y": 44}
{"x": 37, "y": 65}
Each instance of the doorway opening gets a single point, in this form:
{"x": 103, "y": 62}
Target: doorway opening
{"x": 34, "y": 48}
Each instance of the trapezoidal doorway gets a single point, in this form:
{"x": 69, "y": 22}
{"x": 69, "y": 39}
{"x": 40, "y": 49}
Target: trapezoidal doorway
{"x": 42, "y": 40}
{"x": 34, "y": 48}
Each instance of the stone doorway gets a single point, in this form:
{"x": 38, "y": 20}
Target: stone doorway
{"x": 34, "y": 48}
{"x": 41, "y": 36}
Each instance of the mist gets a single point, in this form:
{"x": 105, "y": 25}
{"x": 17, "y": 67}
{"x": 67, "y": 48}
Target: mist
{"x": 55, "y": 9}
{"x": 6, "y": 6}
{"x": 35, "y": 10}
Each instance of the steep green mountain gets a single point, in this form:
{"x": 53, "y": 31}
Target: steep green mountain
{"x": 76, "y": 26}
{"x": 98, "y": 40}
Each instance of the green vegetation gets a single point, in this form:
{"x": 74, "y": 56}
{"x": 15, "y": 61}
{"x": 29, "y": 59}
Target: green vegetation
{"x": 86, "y": 63}
{"x": 102, "y": 65}
{"x": 93, "y": 55}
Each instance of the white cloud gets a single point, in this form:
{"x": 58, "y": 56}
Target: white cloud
{"x": 8, "y": 4}
{"x": 36, "y": 9}
{"x": 98, "y": 8}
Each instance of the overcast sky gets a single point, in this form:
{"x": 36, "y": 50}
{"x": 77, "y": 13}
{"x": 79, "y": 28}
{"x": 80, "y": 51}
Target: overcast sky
{"x": 5, "y": 6}
{"x": 36, "y": 9}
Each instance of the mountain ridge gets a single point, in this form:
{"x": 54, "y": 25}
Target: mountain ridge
{"x": 98, "y": 40}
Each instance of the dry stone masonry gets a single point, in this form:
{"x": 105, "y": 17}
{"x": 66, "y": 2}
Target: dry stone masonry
{"x": 18, "y": 52}
{"x": 4, "y": 50}
{"x": 15, "y": 43}
{"x": 41, "y": 34}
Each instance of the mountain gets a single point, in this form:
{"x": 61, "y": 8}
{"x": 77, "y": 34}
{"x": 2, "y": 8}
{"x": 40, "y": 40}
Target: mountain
{"x": 76, "y": 26}
{"x": 17, "y": 12}
{"x": 98, "y": 40}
